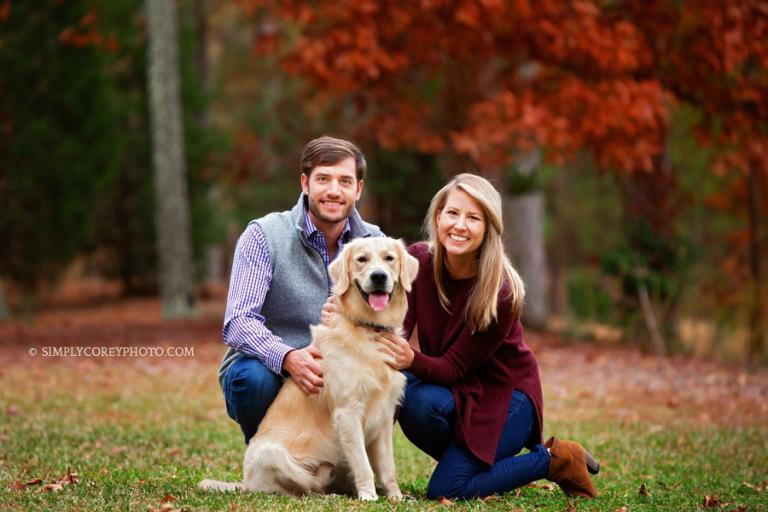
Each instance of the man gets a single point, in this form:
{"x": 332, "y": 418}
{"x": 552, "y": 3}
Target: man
{"x": 280, "y": 282}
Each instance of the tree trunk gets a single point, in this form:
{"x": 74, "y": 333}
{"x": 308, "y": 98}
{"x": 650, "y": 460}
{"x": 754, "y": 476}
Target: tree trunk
{"x": 524, "y": 242}
{"x": 757, "y": 333}
{"x": 174, "y": 244}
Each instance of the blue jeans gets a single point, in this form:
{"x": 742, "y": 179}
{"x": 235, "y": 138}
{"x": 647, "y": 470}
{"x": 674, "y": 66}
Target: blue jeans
{"x": 249, "y": 389}
{"x": 427, "y": 421}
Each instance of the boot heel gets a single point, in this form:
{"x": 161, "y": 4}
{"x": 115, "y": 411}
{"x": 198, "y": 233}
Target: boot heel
{"x": 593, "y": 466}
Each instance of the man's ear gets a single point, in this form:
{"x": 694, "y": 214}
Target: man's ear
{"x": 338, "y": 272}
{"x": 409, "y": 266}
{"x": 305, "y": 184}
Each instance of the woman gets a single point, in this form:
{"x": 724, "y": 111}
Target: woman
{"x": 473, "y": 399}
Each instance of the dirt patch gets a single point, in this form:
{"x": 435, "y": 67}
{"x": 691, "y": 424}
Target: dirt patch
{"x": 582, "y": 380}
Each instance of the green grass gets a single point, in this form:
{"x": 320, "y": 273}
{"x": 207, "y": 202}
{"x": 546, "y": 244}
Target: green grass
{"x": 135, "y": 433}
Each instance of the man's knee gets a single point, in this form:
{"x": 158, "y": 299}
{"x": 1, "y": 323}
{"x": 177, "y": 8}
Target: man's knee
{"x": 249, "y": 389}
{"x": 249, "y": 376}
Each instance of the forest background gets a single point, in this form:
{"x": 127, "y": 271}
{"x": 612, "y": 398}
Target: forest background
{"x": 628, "y": 138}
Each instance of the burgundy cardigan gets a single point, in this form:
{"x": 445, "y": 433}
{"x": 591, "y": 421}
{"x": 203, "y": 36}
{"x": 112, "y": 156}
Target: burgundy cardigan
{"x": 482, "y": 369}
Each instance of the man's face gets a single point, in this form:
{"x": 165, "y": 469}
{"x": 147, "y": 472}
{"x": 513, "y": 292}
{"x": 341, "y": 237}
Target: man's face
{"x": 332, "y": 191}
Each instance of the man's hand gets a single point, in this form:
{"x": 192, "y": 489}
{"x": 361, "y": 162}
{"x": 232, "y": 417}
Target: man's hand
{"x": 304, "y": 368}
{"x": 329, "y": 308}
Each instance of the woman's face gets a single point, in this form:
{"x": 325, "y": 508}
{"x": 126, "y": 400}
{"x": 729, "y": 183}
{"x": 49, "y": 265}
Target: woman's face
{"x": 461, "y": 225}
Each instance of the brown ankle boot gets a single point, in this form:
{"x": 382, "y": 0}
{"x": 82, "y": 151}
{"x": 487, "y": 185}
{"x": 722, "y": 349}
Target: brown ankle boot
{"x": 568, "y": 467}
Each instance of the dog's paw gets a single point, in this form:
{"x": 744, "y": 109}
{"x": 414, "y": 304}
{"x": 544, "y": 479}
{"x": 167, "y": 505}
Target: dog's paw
{"x": 325, "y": 473}
{"x": 367, "y": 496}
{"x": 395, "y": 496}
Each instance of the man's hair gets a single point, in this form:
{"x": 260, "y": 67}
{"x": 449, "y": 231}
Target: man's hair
{"x": 330, "y": 151}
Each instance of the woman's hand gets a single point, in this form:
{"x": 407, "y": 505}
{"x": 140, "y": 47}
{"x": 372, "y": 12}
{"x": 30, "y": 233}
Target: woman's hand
{"x": 329, "y": 308}
{"x": 399, "y": 350}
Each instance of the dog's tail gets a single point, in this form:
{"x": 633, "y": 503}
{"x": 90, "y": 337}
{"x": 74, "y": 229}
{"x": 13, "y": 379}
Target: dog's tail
{"x": 216, "y": 485}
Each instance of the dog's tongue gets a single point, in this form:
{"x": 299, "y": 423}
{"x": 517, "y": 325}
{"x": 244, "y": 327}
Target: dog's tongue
{"x": 378, "y": 300}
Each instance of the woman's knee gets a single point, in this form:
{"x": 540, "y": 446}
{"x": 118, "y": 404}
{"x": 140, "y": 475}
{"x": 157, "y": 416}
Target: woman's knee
{"x": 427, "y": 403}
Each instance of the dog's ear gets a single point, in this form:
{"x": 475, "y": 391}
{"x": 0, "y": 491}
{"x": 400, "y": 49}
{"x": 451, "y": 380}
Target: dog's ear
{"x": 338, "y": 272}
{"x": 409, "y": 266}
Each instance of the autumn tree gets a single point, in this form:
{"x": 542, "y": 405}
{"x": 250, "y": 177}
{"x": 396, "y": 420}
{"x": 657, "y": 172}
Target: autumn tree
{"x": 479, "y": 83}
{"x": 713, "y": 55}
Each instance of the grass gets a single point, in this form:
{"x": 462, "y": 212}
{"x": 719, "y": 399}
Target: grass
{"x": 138, "y": 431}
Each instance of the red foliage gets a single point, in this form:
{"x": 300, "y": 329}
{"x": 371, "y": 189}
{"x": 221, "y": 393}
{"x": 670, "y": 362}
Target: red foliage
{"x": 480, "y": 78}
{"x": 87, "y": 32}
{"x": 5, "y": 10}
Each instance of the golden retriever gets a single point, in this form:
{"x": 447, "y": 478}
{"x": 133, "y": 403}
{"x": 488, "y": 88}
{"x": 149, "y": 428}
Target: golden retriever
{"x": 337, "y": 440}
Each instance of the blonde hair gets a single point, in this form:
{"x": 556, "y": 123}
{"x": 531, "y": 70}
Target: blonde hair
{"x": 493, "y": 265}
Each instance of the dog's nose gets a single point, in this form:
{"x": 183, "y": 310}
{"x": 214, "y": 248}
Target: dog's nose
{"x": 379, "y": 278}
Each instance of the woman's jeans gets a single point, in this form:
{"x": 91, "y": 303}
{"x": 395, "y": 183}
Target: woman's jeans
{"x": 427, "y": 420}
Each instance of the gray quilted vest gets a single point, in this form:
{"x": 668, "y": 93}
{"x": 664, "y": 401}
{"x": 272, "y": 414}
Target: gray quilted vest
{"x": 300, "y": 282}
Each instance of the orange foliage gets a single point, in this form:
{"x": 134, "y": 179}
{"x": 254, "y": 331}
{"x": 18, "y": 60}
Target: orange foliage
{"x": 5, "y": 10}
{"x": 714, "y": 55}
{"x": 482, "y": 78}
{"x": 86, "y": 32}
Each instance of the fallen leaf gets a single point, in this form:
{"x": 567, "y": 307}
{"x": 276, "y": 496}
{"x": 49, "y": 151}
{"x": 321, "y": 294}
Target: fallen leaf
{"x": 174, "y": 451}
{"x": 18, "y": 486}
{"x": 168, "y": 498}
{"x": 547, "y": 487}
{"x": 740, "y": 508}
{"x": 643, "y": 491}
{"x": 34, "y": 481}
{"x": 53, "y": 487}
{"x": 711, "y": 501}
{"x": 518, "y": 492}
{"x": 622, "y": 509}
{"x": 492, "y": 497}
{"x": 570, "y": 507}
{"x": 69, "y": 478}
{"x": 444, "y": 501}
{"x": 12, "y": 410}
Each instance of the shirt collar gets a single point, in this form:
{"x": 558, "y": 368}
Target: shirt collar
{"x": 311, "y": 230}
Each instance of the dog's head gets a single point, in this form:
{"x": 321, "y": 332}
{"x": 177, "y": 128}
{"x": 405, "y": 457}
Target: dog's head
{"x": 372, "y": 276}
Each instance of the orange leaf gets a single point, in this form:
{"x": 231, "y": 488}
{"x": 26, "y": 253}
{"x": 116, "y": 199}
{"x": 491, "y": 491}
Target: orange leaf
{"x": 168, "y": 498}
{"x": 5, "y": 10}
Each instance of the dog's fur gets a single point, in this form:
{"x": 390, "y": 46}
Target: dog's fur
{"x": 335, "y": 441}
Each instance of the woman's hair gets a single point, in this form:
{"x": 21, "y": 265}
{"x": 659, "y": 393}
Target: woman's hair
{"x": 493, "y": 266}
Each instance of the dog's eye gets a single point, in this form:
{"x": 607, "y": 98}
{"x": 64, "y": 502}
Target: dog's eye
{"x": 362, "y": 259}
{"x": 389, "y": 257}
